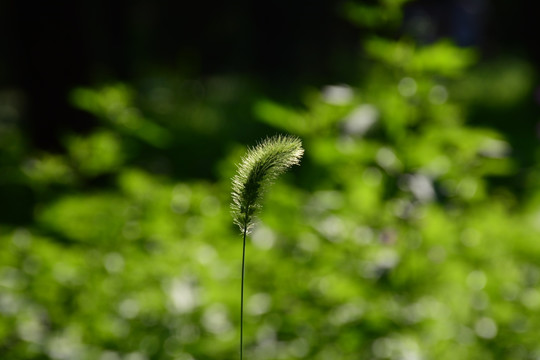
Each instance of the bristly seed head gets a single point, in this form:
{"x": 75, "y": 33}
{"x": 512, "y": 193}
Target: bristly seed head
{"x": 258, "y": 169}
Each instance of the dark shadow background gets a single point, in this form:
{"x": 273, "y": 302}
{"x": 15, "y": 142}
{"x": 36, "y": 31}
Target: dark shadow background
{"x": 48, "y": 48}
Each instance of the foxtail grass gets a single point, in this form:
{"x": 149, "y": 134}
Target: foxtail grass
{"x": 258, "y": 169}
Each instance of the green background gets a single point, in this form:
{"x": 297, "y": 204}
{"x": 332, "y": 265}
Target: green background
{"x": 410, "y": 230}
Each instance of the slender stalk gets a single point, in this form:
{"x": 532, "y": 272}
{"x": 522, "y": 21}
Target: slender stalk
{"x": 258, "y": 169}
{"x": 242, "y": 295}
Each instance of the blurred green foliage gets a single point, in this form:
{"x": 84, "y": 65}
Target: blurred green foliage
{"x": 393, "y": 240}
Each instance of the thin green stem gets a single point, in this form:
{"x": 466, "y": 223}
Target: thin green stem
{"x": 242, "y": 295}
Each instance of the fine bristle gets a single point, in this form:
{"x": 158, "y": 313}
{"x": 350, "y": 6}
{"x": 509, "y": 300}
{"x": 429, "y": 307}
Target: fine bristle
{"x": 258, "y": 169}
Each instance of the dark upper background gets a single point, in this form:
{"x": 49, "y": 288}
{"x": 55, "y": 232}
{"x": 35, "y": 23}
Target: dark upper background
{"x": 48, "y": 48}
